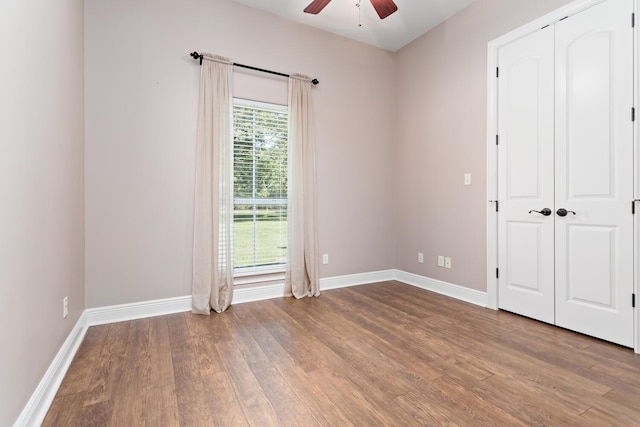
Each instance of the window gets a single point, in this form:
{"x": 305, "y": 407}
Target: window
{"x": 260, "y": 134}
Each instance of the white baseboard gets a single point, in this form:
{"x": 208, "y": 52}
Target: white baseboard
{"x": 356, "y": 279}
{"x": 455, "y": 291}
{"x": 36, "y": 408}
{"x": 137, "y": 310}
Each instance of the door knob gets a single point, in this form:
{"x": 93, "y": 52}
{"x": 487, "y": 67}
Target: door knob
{"x": 545, "y": 211}
{"x": 564, "y": 212}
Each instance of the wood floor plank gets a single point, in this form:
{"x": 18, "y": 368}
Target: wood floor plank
{"x": 463, "y": 368}
{"x": 97, "y": 415}
{"x": 109, "y": 367}
{"x": 574, "y": 390}
{"x": 161, "y": 407}
{"x": 478, "y": 409}
{"x": 361, "y": 367}
{"x": 325, "y": 413}
{"x": 65, "y": 411}
{"x": 256, "y": 407}
{"x": 131, "y": 391}
{"x": 222, "y": 401}
{"x": 160, "y": 361}
{"x": 267, "y": 343}
{"x": 606, "y": 412}
{"x": 292, "y": 411}
{"x": 78, "y": 379}
{"x": 300, "y": 346}
{"x": 251, "y": 350}
{"x": 379, "y": 354}
{"x": 194, "y": 403}
{"x": 191, "y": 398}
{"x": 522, "y": 403}
{"x": 624, "y": 396}
{"x": 391, "y": 328}
{"x": 204, "y": 331}
{"x": 354, "y": 404}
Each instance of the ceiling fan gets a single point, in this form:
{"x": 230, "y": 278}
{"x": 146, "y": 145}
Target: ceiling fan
{"x": 384, "y": 8}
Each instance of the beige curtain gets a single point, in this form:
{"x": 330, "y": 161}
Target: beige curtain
{"x": 213, "y": 219}
{"x": 302, "y": 262}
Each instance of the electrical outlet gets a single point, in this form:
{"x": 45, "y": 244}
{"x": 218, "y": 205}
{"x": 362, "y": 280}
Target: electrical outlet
{"x": 440, "y": 261}
{"x": 467, "y": 179}
{"x": 65, "y": 307}
{"x": 447, "y": 262}
{"x": 325, "y": 259}
{"x": 420, "y": 257}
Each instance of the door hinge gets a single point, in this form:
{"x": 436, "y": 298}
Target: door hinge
{"x": 496, "y": 139}
{"x": 633, "y": 20}
{"x": 497, "y": 206}
{"x": 497, "y": 273}
{"x": 633, "y": 300}
{"x": 633, "y": 206}
{"x": 633, "y": 114}
{"x": 497, "y": 71}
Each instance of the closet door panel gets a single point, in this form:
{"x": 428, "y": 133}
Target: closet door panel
{"x": 594, "y": 172}
{"x": 525, "y": 159}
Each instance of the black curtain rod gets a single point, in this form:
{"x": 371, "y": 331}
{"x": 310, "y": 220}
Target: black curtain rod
{"x": 196, "y": 55}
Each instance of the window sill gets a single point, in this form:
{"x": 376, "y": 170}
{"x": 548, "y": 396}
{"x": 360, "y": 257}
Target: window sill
{"x": 259, "y": 276}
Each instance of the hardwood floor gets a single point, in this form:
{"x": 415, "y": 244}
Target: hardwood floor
{"x": 381, "y": 354}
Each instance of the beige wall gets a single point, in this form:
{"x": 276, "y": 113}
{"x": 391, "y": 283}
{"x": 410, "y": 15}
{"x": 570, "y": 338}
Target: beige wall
{"x": 441, "y": 122}
{"x": 390, "y": 180}
{"x": 141, "y": 102}
{"x": 41, "y": 190}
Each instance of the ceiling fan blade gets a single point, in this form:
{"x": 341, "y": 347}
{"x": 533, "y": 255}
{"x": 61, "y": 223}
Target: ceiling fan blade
{"x": 384, "y": 7}
{"x": 316, "y": 6}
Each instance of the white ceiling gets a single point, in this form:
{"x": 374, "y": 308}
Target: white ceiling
{"x": 413, "y": 18}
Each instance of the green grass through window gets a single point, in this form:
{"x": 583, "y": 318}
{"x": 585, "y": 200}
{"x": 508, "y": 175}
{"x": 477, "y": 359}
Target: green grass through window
{"x": 261, "y": 242}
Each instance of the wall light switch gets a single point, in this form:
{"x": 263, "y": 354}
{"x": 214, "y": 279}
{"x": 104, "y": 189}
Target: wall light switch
{"x": 467, "y": 179}
{"x": 440, "y": 261}
{"x": 325, "y": 259}
{"x": 420, "y": 257}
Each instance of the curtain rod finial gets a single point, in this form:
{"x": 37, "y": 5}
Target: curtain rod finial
{"x": 315, "y": 81}
{"x": 196, "y": 55}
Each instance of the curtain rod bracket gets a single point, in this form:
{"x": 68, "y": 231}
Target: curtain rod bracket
{"x": 196, "y": 55}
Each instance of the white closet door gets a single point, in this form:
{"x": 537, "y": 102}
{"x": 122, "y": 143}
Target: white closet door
{"x": 594, "y": 172}
{"x": 525, "y": 159}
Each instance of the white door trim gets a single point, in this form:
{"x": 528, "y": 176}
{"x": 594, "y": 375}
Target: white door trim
{"x": 492, "y": 130}
{"x": 636, "y": 174}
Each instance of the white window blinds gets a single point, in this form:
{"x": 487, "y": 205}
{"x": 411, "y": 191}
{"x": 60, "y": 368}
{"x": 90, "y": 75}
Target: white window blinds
{"x": 260, "y": 184}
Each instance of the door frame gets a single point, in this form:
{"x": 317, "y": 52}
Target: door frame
{"x": 492, "y": 151}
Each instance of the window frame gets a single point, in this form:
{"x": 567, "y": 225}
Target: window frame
{"x": 268, "y": 273}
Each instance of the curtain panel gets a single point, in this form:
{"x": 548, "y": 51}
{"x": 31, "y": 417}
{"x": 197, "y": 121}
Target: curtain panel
{"x": 212, "y": 286}
{"x": 301, "y": 278}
